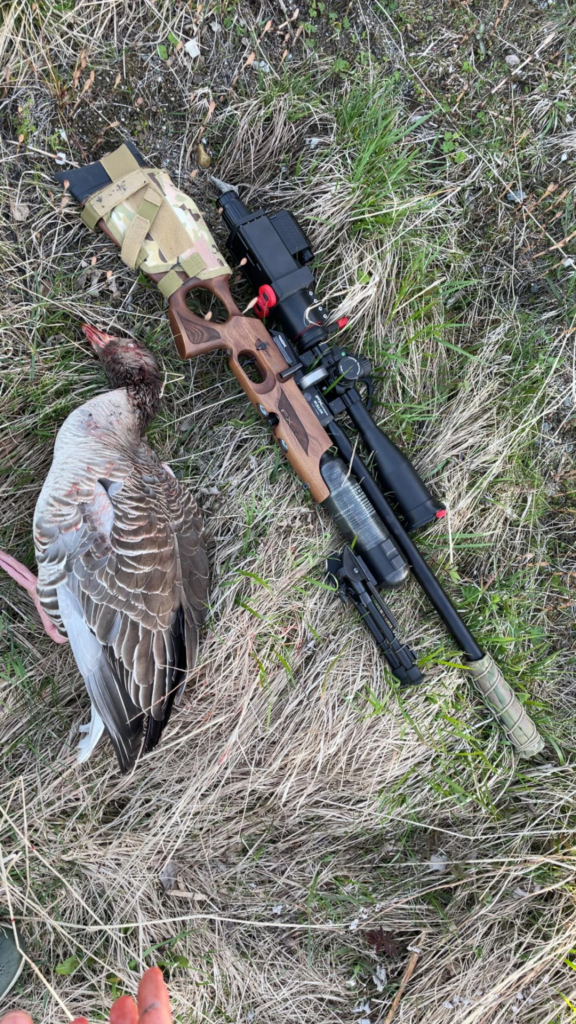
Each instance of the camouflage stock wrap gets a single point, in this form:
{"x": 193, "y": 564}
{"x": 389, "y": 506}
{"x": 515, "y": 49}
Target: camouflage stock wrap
{"x": 159, "y": 229}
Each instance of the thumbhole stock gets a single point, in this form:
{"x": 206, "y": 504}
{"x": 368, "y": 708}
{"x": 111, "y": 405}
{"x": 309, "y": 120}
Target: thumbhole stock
{"x": 251, "y": 368}
{"x": 205, "y": 304}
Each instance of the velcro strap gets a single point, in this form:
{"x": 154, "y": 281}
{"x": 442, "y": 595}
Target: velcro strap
{"x": 119, "y": 163}
{"x": 89, "y": 215}
{"x": 139, "y": 227}
{"x": 170, "y": 283}
{"x": 101, "y": 204}
{"x": 191, "y": 265}
{"x": 150, "y": 204}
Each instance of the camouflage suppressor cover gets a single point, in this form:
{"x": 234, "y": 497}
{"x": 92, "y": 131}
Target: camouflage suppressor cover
{"x": 503, "y": 702}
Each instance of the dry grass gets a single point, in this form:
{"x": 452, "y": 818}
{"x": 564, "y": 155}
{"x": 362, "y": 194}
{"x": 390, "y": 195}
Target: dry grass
{"x": 320, "y": 825}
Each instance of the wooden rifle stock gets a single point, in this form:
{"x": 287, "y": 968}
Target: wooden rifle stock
{"x": 293, "y": 423}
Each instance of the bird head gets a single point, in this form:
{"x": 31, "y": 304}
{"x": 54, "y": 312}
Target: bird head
{"x": 128, "y": 364}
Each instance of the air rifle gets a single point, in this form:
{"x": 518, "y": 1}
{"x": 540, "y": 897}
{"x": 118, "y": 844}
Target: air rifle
{"x": 302, "y": 386}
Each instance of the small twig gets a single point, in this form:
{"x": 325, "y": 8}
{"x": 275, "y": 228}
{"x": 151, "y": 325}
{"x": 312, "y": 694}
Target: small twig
{"x": 499, "y": 18}
{"x": 209, "y": 112}
{"x": 466, "y": 37}
{"x": 410, "y": 968}
{"x": 43, "y": 152}
{"x": 558, "y": 245}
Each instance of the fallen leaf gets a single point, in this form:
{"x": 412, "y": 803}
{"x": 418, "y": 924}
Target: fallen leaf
{"x": 19, "y": 211}
{"x": 202, "y": 157}
{"x": 169, "y": 875}
{"x": 379, "y": 978}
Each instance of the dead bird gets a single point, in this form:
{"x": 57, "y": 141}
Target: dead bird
{"x": 122, "y": 564}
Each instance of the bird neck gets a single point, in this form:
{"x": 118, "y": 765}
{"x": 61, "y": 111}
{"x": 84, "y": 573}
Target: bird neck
{"x": 144, "y": 396}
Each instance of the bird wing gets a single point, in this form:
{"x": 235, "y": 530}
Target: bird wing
{"x": 127, "y": 576}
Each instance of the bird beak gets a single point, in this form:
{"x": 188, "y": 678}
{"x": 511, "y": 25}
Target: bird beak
{"x": 97, "y": 338}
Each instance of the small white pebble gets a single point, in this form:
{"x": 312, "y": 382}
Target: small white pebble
{"x": 61, "y": 159}
{"x": 512, "y": 59}
{"x": 564, "y": 156}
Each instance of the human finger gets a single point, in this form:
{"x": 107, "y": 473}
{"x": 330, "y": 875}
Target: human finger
{"x": 124, "y": 1011}
{"x": 16, "y": 1017}
{"x": 153, "y": 998}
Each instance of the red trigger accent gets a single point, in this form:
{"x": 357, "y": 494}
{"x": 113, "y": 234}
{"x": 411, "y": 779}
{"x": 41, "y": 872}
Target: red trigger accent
{"x": 266, "y": 300}
{"x": 342, "y": 322}
{"x": 441, "y": 513}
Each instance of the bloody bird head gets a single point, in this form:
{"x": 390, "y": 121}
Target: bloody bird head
{"x": 129, "y": 365}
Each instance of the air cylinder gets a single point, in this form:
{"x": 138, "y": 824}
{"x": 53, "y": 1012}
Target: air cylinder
{"x": 360, "y": 525}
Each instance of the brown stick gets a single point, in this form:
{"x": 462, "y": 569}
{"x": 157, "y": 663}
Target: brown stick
{"x": 410, "y": 968}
